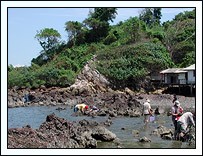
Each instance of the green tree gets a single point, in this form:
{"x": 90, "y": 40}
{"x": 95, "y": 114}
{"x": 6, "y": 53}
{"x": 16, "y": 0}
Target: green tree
{"x": 157, "y": 15}
{"x": 146, "y": 15}
{"x": 104, "y": 14}
{"x": 98, "y": 23}
{"x": 128, "y": 65}
{"x": 180, "y": 37}
{"x": 10, "y": 67}
{"x": 75, "y": 31}
{"x": 134, "y": 29}
{"x": 48, "y": 38}
{"x": 151, "y": 16}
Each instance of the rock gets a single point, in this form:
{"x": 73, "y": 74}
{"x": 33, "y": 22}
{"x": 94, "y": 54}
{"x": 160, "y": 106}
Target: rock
{"x": 144, "y": 139}
{"x": 163, "y": 132}
{"x": 135, "y": 133}
{"x": 103, "y": 134}
{"x": 57, "y": 132}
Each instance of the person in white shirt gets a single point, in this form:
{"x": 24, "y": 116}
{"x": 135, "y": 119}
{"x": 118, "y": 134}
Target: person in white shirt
{"x": 147, "y": 111}
{"x": 184, "y": 122}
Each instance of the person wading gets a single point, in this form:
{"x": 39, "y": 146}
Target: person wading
{"x": 176, "y": 112}
{"x": 147, "y": 111}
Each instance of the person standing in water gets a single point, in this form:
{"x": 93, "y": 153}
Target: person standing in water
{"x": 147, "y": 111}
{"x": 176, "y": 111}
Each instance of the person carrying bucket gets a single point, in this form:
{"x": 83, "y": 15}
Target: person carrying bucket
{"x": 147, "y": 111}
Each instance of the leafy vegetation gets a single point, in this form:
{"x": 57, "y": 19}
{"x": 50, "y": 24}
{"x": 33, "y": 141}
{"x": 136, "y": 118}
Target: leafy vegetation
{"x": 126, "y": 53}
{"x": 130, "y": 64}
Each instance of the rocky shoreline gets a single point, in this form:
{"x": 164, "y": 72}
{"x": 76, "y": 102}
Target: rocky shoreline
{"x": 57, "y": 132}
{"x": 60, "y": 133}
{"x": 90, "y": 88}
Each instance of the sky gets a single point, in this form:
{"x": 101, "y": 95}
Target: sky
{"x": 23, "y": 24}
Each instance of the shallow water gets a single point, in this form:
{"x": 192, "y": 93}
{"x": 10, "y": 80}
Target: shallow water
{"x": 123, "y": 127}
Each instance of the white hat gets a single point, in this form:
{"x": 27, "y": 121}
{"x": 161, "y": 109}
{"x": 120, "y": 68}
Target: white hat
{"x": 177, "y": 102}
{"x": 148, "y": 100}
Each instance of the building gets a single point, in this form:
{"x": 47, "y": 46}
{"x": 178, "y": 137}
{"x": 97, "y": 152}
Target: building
{"x": 178, "y": 76}
{"x": 191, "y": 74}
{"x": 174, "y": 76}
{"x": 181, "y": 77}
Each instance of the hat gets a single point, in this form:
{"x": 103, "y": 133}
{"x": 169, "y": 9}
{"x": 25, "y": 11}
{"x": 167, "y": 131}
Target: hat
{"x": 86, "y": 107}
{"x": 148, "y": 100}
{"x": 177, "y": 103}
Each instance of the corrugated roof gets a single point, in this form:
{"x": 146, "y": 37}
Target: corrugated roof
{"x": 172, "y": 70}
{"x": 192, "y": 67}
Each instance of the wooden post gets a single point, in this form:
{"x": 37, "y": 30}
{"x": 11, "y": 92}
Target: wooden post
{"x": 191, "y": 89}
{"x": 179, "y": 89}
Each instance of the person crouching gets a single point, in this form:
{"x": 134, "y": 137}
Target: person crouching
{"x": 81, "y": 107}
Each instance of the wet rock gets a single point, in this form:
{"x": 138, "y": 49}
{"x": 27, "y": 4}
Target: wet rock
{"x": 144, "y": 139}
{"x": 103, "y": 134}
{"x": 60, "y": 108}
{"x": 57, "y": 132}
{"x": 135, "y": 133}
{"x": 117, "y": 141}
{"x": 112, "y": 114}
{"x": 163, "y": 132}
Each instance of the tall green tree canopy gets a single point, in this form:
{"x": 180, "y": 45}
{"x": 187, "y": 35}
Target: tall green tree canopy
{"x": 98, "y": 22}
{"x": 151, "y": 16}
{"x": 75, "y": 31}
{"x": 48, "y": 38}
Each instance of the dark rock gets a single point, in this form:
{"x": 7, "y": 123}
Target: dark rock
{"x": 57, "y": 132}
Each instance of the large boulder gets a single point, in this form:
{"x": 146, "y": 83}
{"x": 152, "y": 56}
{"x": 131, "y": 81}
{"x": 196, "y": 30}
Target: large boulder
{"x": 103, "y": 134}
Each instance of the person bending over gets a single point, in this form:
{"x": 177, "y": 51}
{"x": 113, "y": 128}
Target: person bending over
{"x": 81, "y": 107}
{"x": 184, "y": 123}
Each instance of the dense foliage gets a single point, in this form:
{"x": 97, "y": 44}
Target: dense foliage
{"x": 127, "y": 65}
{"x": 180, "y": 38}
{"x": 126, "y": 52}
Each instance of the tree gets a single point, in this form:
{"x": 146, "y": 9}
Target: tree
{"x": 157, "y": 15}
{"x": 146, "y": 15}
{"x": 10, "y": 67}
{"x": 180, "y": 38}
{"x": 74, "y": 30}
{"x": 151, "y": 16}
{"x": 48, "y": 38}
{"x": 134, "y": 29}
{"x": 104, "y": 14}
{"x": 98, "y": 23}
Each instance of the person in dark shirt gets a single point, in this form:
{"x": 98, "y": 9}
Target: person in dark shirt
{"x": 174, "y": 98}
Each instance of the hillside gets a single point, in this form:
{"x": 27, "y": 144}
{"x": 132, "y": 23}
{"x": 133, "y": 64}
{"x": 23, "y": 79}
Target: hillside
{"x": 122, "y": 55}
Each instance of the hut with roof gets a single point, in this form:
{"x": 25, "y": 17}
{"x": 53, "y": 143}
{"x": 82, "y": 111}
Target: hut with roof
{"x": 180, "y": 77}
